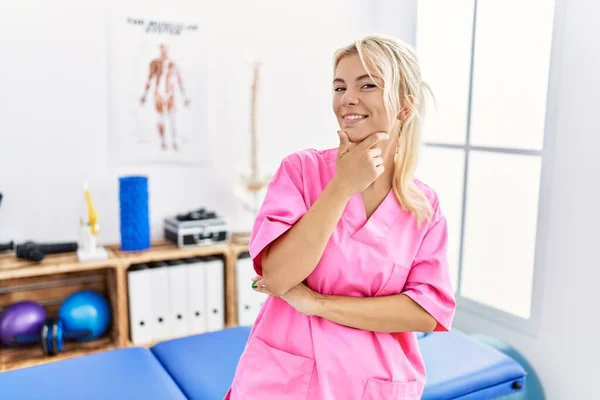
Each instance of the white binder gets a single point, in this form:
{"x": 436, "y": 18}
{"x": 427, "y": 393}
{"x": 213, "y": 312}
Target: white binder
{"x": 161, "y": 306}
{"x": 249, "y": 302}
{"x": 197, "y": 308}
{"x": 215, "y": 292}
{"x": 140, "y": 304}
{"x": 178, "y": 298}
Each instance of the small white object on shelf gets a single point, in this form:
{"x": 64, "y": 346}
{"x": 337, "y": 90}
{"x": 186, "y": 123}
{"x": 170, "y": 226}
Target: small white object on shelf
{"x": 98, "y": 254}
{"x": 89, "y": 227}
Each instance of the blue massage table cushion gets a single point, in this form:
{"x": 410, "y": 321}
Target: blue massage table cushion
{"x": 130, "y": 373}
{"x": 204, "y": 365}
{"x": 459, "y": 367}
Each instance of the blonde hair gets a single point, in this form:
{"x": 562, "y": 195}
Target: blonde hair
{"x": 398, "y": 66}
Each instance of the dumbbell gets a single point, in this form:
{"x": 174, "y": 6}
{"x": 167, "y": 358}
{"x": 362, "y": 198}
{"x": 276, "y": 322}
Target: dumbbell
{"x": 7, "y": 246}
{"x": 52, "y": 336}
{"x": 36, "y": 251}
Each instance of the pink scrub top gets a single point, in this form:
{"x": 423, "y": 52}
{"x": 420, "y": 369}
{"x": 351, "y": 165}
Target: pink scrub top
{"x": 291, "y": 356}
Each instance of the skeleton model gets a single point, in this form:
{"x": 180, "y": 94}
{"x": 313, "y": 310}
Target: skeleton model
{"x": 251, "y": 189}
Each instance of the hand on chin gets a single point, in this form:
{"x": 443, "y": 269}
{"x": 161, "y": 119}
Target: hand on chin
{"x": 357, "y": 135}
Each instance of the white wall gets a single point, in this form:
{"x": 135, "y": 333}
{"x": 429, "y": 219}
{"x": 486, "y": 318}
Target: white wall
{"x": 53, "y": 105}
{"x": 397, "y": 18}
{"x": 565, "y": 351}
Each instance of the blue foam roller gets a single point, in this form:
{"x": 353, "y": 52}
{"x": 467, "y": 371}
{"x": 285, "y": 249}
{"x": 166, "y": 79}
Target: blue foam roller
{"x": 134, "y": 213}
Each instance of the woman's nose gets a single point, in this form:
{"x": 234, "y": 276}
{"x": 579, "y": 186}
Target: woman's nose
{"x": 349, "y": 98}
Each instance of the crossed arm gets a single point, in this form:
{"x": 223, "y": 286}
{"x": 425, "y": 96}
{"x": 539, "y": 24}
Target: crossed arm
{"x": 397, "y": 313}
{"x": 291, "y": 258}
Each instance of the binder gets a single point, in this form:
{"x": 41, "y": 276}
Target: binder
{"x": 178, "y": 298}
{"x": 215, "y": 292}
{"x": 140, "y": 304}
{"x": 161, "y": 305}
{"x": 249, "y": 302}
{"x": 197, "y": 308}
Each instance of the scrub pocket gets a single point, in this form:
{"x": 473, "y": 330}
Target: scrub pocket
{"x": 269, "y": 373}
{"x": 379, "y": 389}
{"x": 395, "y": 281}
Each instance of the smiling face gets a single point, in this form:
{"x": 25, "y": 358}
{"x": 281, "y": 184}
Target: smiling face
{"x": 358, "y": 101}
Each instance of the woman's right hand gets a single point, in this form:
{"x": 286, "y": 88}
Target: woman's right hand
{"x": 358, "y": 165}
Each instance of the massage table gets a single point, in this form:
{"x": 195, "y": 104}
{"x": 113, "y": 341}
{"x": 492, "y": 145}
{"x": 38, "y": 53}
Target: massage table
{"x": 201, "y": 367}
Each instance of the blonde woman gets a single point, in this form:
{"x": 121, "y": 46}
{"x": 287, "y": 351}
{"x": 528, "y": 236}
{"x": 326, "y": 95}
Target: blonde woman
{"x": 351, "y": 248}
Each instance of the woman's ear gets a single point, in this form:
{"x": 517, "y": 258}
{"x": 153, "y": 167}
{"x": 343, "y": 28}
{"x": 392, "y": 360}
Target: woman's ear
{"x": 409, "y": 102}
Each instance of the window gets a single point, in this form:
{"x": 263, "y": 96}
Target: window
{"x": 488, "y": 64}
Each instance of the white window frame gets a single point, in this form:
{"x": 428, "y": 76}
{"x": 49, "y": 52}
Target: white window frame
{"x": 531, "y": 325}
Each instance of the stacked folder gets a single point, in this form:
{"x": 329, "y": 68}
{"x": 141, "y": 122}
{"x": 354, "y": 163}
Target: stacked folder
{"x": 176, "y": 298}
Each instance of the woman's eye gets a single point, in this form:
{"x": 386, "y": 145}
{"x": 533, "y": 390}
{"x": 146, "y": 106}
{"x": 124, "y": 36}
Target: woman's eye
{"x": 339, "y": 89}
{"x": 369, "y": 86}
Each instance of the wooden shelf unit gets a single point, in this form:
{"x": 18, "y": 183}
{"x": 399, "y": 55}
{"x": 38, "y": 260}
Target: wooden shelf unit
{"x": 16, "y": 358}
{"x": 57, "y": 276}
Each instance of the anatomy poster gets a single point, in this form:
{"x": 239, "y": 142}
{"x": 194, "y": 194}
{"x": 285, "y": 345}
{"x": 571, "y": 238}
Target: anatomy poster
{"x": 158, "y": 90}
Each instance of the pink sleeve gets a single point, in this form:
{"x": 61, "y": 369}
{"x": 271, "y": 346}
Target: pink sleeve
{"x": 282, "y": 207}
{"x": 428, "y": 282}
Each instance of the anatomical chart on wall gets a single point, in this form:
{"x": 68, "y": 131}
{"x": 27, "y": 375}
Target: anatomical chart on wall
{"x": 158, "y": 90}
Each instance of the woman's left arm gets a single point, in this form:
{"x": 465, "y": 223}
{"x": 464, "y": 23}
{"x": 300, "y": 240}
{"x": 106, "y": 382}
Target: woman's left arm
{"x": 397, "y": 313}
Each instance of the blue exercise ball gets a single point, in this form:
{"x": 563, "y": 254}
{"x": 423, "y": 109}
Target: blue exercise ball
{"x": 87, "y": 312}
